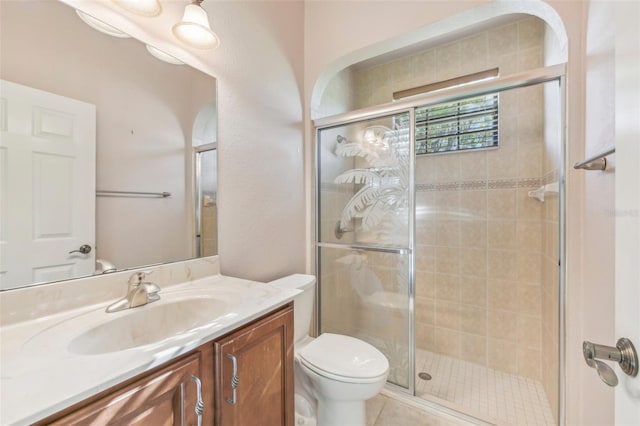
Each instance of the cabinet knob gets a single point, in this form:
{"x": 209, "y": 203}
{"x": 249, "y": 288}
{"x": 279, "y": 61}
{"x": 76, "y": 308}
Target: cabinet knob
{"x": 235, "y": 380}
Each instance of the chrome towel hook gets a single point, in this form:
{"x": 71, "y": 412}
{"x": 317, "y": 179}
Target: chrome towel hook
{"x": 597, "y": 162}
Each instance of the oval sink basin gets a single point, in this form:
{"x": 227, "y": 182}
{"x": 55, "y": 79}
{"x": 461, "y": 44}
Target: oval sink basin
{"x": 148, "y": 324}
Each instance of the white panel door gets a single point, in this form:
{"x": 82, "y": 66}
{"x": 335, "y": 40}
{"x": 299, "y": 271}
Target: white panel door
{"x": 47, "y": 187}
{"x": 627, "y": 200}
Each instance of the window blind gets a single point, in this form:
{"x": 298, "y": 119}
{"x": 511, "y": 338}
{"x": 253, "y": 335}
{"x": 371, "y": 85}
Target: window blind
{"x": 456, "y": 126}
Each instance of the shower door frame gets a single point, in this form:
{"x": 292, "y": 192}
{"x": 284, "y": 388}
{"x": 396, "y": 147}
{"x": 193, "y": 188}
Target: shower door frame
{"x": 408, "y": 250}
{"x": 197, "y": 229}
{"x": 515, "y": 81}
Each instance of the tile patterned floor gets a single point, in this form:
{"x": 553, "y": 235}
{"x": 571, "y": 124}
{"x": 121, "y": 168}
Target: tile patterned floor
{"x": 501, "y": 398}
{"x": 386, "y": 411}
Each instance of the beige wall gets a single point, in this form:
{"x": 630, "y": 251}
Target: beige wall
{"x": 259, "y": 72}
{"x": 261, "y": 195}
{"x": 339, "y": 96}
{"x": 478, "y": 259}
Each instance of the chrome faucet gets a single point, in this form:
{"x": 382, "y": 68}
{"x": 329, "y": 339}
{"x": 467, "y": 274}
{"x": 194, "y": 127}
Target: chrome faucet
{"x": 139, "y": 292}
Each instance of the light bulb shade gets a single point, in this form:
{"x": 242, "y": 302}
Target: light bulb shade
{"x": 163, "y": 56}
{"x": 194, "y": 29}
{"x": 147, "y": 8}
{"x": 98, "y": 25}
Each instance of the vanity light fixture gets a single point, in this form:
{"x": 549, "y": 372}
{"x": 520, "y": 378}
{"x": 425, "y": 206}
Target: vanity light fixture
{"x": 148, "y": 8}
{"x": 163, "y": 56}
{"x": 98, "y": 25}
{"x": 194, "y": 29}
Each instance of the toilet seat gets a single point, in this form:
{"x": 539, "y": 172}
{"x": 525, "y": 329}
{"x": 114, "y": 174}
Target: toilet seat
{"x": 344, "y": 358}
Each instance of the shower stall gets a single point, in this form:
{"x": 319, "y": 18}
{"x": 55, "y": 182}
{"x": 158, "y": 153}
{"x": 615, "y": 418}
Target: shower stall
{"x": 439, "y": 240}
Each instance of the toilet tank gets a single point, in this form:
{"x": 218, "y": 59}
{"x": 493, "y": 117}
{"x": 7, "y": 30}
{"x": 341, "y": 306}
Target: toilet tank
{"x": 302, "y": 303}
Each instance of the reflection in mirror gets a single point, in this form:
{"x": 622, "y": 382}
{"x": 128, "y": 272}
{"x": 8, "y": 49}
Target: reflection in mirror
{"x": 83, "y": 112}
{"x": 206, "y": 206}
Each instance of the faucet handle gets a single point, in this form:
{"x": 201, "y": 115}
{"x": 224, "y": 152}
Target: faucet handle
{"x": 138, "y": 278}
{"x": 151, "y": 288}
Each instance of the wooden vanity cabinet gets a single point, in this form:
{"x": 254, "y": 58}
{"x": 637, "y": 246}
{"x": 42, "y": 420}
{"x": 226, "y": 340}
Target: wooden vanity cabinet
{"x": 164, "y": 397}
{"x": 263, "y": 356}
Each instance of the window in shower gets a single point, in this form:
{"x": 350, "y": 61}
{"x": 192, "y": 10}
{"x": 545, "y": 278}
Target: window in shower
{"x": 456, "y": 126}
{"x": 470, "y": 123}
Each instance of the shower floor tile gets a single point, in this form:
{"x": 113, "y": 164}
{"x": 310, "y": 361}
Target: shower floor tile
{"x": 492, "y": 395}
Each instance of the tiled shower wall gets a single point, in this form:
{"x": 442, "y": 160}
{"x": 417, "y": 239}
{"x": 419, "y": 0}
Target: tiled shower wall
{"x": 209, "y": 236}
{"x": 512, "y": 48}
{"x": 208, "y": 204}
{"x": 479, "y": 236}
{"x": 479, "y": 243}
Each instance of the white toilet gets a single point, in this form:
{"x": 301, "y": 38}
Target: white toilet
{"x": 334, "y": 374}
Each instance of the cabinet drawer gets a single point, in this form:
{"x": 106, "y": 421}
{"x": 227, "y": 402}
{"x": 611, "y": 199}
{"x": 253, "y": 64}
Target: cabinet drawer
{"x": 166, "y": 397}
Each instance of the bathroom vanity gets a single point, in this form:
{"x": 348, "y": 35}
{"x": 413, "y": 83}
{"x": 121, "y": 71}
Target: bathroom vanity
{"x": 220, "y": 340}
{"x": 166, "y": 395}
{"x": 169, "y": 394}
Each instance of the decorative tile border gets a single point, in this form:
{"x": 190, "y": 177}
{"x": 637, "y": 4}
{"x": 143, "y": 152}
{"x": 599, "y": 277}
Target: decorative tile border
{"x": 473, "y": 185}
{"x": 476, "y": 185}
{"x": 468, "y": 185}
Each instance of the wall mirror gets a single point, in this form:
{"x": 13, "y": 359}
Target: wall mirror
{"x": 107, "y": 154}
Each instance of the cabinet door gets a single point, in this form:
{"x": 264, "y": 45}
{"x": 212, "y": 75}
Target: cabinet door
{"x": 263, "y": 353}
{"x": 165, "y": 398}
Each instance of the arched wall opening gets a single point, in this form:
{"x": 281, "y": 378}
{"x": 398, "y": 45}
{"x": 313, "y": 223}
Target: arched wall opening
{"x": 455, "y": 27}
{"x": 514, "y": 38}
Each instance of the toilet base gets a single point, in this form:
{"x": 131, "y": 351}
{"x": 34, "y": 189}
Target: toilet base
{"x": 305, "y": 421}
{"x": 341, "y": 413}
{"x": 305, "y": 415}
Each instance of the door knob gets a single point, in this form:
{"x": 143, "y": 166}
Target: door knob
{"x": 624, "y": 353}
{"x": 84, "y": 249}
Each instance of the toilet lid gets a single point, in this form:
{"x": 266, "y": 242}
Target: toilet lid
{"x": 344, "y": 356}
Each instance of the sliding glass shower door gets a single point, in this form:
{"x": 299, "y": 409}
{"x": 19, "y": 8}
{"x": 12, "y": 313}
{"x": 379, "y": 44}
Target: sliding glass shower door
{"x": 440, "y": 241}
{"x": 364, "y": 255}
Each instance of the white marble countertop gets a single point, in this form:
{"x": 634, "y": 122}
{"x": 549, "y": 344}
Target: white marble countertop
{"x": 40, "y": 375}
